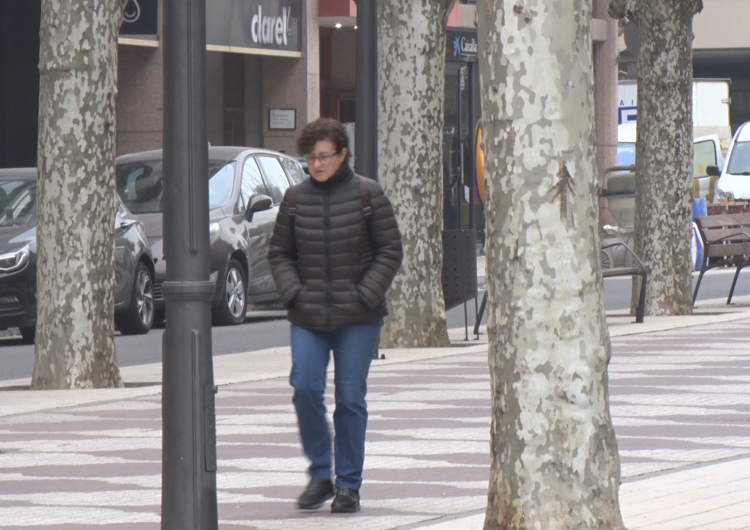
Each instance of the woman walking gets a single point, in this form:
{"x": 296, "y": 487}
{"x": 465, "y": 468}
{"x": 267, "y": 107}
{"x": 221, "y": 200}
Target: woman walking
{"x": 334, "y": 252}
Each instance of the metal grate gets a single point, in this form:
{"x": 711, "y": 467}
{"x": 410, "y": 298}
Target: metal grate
{"x": 459, "y": 266}
{"x": 157, "y": 291}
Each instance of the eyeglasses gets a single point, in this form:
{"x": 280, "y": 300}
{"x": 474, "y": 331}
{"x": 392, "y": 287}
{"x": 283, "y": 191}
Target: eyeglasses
{"x": 322, "y": 158}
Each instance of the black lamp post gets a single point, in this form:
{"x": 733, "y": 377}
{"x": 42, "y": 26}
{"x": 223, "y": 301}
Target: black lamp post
{"x": 188, "y": 411}
{"x": 366, "y": 128}
{"x": 366, "y": 131}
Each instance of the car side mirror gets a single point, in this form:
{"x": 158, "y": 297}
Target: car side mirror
{"x": 713, "y": 171}
{"x": 258, "y": 203}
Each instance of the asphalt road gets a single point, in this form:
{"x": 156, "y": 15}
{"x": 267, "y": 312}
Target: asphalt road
{"x": 17, "y": 359}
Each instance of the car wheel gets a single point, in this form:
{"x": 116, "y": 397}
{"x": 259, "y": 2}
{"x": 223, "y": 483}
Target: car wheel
{"x": 233, "y": 307}
{"x": 28, "y": 334}
{"x": 138, "y": 318}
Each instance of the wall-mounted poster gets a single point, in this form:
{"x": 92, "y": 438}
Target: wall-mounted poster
{"x": 282, "y": 119}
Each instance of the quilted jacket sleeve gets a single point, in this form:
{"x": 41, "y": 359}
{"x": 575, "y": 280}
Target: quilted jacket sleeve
{"x": 386, "y": 242}
{"x": 282, "y": 255}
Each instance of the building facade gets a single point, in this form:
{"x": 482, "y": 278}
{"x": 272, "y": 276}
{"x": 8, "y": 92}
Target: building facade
{"x": 274, "y": 65}
{"x": 262, "y": 69}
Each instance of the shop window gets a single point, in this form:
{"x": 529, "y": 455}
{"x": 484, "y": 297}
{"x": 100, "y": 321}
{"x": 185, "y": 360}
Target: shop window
{"x": 347, "y": 110}
{"x": 234, "y": 99}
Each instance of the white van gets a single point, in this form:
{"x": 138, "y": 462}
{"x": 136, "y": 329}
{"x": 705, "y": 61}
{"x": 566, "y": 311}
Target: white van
{"x": 734, "y": 183}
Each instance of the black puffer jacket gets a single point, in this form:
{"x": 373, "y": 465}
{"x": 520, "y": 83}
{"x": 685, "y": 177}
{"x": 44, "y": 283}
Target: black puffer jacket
{"x": 332, "y": 268}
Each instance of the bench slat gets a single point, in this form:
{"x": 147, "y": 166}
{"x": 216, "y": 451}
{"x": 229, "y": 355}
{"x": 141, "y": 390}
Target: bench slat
{"x": 715, "y": 234}
{"x": 724, "y": 220}
{"x": 729, "y": 249}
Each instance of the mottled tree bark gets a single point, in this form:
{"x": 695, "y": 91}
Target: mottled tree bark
{"x": 554, "y": 455}
{"x": 664, "y": 151}
{"x": 411, "y": 48}
{"x": 76, "y": 202}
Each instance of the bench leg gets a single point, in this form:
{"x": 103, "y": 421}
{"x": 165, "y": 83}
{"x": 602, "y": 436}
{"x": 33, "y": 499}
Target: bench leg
{"x": 734, "y": 283}
{"x": 698, "y": 283}
{"x": 640, "y": 311}
{"x": 480, "y": 313}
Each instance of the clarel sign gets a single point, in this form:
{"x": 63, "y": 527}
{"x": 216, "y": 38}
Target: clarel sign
{"x": 269, "y": 27}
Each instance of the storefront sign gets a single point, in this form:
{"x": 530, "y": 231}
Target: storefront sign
{"x": 462, "y": 45}
{"x": 282, "y": 119}
{"x": 141, "y": 17}
{"x": 267, "y": 27}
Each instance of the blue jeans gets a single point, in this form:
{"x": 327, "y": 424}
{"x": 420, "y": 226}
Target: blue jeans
{"x": 353, "y": 347}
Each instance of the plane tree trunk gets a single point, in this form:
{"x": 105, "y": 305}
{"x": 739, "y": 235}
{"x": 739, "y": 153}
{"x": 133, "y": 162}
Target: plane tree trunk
{"x": 664, "y": 149}
{"x": 411, "y": 46}
{"x": 76, "y": 202}
{"x": 554, "y": 459}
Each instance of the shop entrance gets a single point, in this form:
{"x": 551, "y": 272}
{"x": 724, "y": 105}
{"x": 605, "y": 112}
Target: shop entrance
{"x": 462, "y": 218}
{"x": 462, "y": 208}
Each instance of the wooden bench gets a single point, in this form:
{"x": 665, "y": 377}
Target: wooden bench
{"x": 726, "y": 242}
{"x": 637, "y": 270}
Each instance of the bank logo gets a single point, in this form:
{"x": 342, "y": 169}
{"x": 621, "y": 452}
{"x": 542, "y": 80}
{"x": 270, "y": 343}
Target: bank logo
{"x": 457, "y": 47}
{"x": 132, "y": 12}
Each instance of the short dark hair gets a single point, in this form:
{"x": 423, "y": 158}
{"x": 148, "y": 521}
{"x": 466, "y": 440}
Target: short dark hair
{"x": 323, "y": 129}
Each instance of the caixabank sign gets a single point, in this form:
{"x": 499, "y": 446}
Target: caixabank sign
{"x": 461, "y": 45}
{"x": 267, "y": 27}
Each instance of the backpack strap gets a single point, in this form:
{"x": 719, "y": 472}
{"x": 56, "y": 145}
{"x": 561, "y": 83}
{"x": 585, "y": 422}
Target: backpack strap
{"x": 293, "y": 203}
{"x": 365, "y": 195}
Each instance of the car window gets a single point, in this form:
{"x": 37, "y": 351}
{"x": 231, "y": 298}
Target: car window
{"x": 21, "y": 209}
{"x": 220, "y": 184}
{"x": 740, "y": 162}
{"x": 140, "y": 184}
{"x": 704, "y": 155}
{"x": 275, "y": 177}
{"x": 252, "y": 181}
{"x": 294, "y": 170}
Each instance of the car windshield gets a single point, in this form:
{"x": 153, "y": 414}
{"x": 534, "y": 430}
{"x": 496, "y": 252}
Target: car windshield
{"x": 739, "y": 164}
{"x": 140, "y": 185}
{"x": 18, "y": 203}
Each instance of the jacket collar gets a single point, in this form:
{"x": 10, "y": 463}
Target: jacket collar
{"x": 344, "y": 174}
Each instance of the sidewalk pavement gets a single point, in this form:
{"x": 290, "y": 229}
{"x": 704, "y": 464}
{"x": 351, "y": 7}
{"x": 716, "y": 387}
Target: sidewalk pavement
{"x": 679, "y": 397}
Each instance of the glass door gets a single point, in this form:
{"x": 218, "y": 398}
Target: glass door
{"x": 458, "y": 129}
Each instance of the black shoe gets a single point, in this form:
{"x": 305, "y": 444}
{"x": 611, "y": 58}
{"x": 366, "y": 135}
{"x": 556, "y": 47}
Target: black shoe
{"x": 346, "y": 501}
{"x": 317, "y": 492}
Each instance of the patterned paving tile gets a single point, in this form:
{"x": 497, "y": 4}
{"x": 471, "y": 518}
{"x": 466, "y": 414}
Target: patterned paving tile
{"x": 677, "y": 398}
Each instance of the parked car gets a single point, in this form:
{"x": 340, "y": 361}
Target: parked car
{"x": 734, "y": 182}
{"x": 245, "y": 188}
{"x": 134, "y": 268}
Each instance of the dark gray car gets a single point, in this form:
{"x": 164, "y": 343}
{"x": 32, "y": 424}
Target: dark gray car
{"x": 245, "y": 188}
{"x": 134, "y": 268}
